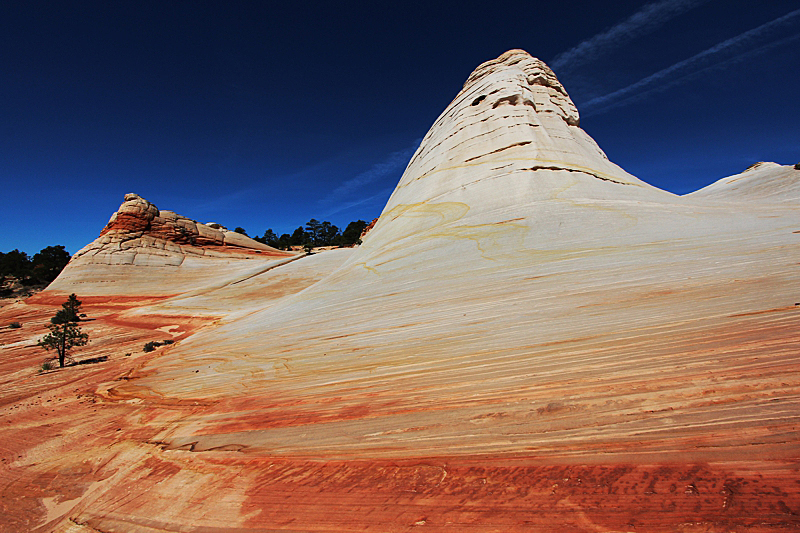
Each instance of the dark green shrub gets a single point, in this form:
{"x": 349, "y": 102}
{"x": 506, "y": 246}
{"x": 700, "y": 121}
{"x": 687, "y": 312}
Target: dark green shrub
{"x": 150, "y": 346}
{"x": 15, "y": 325}
{"x": 352, "y": 234}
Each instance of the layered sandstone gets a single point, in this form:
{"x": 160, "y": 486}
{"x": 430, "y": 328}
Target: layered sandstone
{"x": 529, "y": 339}
{"x": 147, "y": 251}
{"x": 138, "y": 233}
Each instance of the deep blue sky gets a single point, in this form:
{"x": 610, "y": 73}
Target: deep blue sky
{"x": 266, "y": 114}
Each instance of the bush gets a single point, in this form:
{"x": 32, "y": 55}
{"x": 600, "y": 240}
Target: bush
{"x": 150, "y": 346}
{"x": 46, "y": 366}
{"x": 15, "y": 325}
{"x": 352, "y": 234}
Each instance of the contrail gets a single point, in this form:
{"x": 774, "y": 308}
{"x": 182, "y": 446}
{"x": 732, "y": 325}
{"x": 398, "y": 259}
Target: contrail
{"x": 384, "y": 194}
{"x": 644, "y": 21}
{"x": 392, "y": 165}
{"x": 682, "y": 70}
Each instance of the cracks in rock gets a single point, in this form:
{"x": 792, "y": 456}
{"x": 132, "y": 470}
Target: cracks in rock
{"x": 195, "y": 447}
{"x": 420, "y": 159}
{"x": 521, "y": 143}
{"x": 604, "y": 178}
{"x": 268, "y": 268}
{"x": 86, "y": 525}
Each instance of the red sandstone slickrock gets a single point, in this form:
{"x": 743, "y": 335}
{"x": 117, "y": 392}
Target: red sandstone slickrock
{"x": 528, "y": 339}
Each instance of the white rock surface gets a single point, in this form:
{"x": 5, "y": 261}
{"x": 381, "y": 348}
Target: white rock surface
{"x": 514, "y": 271}
{"x": 762, "y": 183}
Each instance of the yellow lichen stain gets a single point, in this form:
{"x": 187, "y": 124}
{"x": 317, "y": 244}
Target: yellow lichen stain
{"x": 492, "y": 240}
{"x": 500, "y": 240}
{"x": 281, "y": 367}
{"x": 366, "y": 266}
{"x": 416, "y": 220}
{"x": 556, "y": 195}
{"x": 437, "y": 214}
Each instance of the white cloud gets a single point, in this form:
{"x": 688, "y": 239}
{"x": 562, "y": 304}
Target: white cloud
{"x": 644, "y": 21}
{"x": 393, "y": 164}
{"x": 743, "y": 45}
{"x": 382, "y": 195}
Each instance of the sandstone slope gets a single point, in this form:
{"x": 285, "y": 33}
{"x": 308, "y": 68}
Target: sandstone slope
{"x": 529, "y": 339}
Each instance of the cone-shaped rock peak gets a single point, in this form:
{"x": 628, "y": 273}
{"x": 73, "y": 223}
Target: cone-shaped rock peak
{"x": 528, "y": 80}
{"x": 509, "y": 138}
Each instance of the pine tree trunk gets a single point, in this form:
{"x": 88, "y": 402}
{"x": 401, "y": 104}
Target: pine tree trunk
{"x": 62, "y": 351}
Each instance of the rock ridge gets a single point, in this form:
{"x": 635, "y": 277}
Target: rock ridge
{"x": 139, "y": 227}
{"x": 155, "y": 252}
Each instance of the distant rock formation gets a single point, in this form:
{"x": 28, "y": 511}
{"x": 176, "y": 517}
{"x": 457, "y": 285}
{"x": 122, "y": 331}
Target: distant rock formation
{"x": 138, "y": 231}
{"x": 143, "y": 238}
{"x": 763, "y": 182}
{"x": 368, "y": 227}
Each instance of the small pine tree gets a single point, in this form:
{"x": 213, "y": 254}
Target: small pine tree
{"x": 69, "y": 312}
{"x": 63, "y": 338}
{"x": 64, "y": 332}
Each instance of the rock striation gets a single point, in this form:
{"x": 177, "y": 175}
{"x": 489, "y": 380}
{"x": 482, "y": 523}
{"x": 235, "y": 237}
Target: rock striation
{"x": 147, "y": 251}
{"x": 138, "y": 232}
{"x": 528, "y": 339}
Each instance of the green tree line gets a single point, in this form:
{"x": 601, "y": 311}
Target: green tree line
{"x": 43, "y": 267}
{"x": 314, "y": 233}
